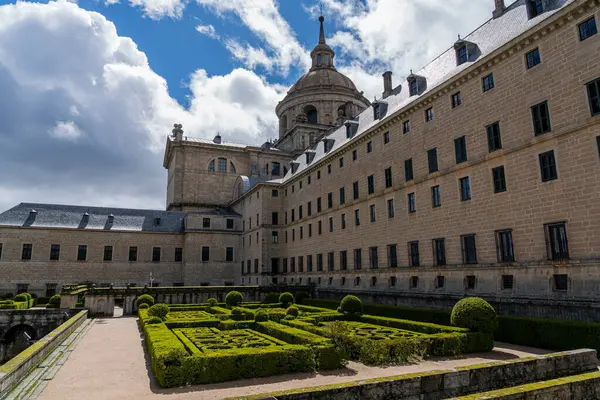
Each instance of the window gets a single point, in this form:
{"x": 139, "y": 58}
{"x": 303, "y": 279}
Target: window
{"x": 357, "y": 217}
{"x": 386, "y": 138}
{"x": 429, "y": 114}
{"x": 22, "y": 288}
{"x": 329, "y": 200}
{"x": 108, "y": 253}
{"x": 330, "y": 263}
{"x": 414, "y": 282}
{"x": 594, "y": 96}
{"x": 248, "y": 266}
{"x": 541, "y": 118}
{"x": 535, "y": 7}
{"x": 309, "y": 208}
{"x": 299, "y": 212}
{"x": 319, "y": 262}
{"x": 309, "y": 179}
{"x": 26, "y": 252}
{"x": 318, "y": 204}
{"x": 388, "y": 177}
{"x": 211, "y": 166}
{"x": 319, "y": 174}
{"x": 560, "y": 282}
{"x": 413, "y": 87}
{"x": 275, "y": 169}
{"x": 460, "y": 149}
{"x": 493, "y": 136}
{"x": 0, "y": 251}
{"x": 132, "y": 253}
{"x": 229, "y": 254}
{"x": 274, "y": 193}
{"x": 342, "y": 195}
{"x": 293, "y": 188}
{"x": 354, "y": 155}
{"x": 440, "y": 281}
{"x": 293, "y": 234}
{"x": 465, "y": 189}
{"x": 81, "y": 252}
{"x": 156, "y": 254}
{"x": 436, "y": 199}
{"x": 504, "y": 246}
{"x": 499, "y": 179}
{"x": 330, "y": 224}
{"x": 393, "y": 281}
{"x": 206, "y": 223}
{"x": 320, "y": 227}
{"x": 54, "y": 252}
{"x": 293, "y": 215}
{"x": 342, "y": 281}
{"x": 355, "y": 190}
{"x": 413, "y": 254}
{"x": 373, "y": 257}
{"x": 357, "y": 281}
{"x": 373, "y": 281}
{"x": 341, "y": 162}
{"x": 205, "y": 253}
{"x": 432, "y": 160}
{"x": 369, "y": 147}
{"x": 256, "y": 265}
{"x": 343, "y": 260}
{"x": 178, "y": 254}
{"x": 329, "y": 169}
{"x": 51, "y": 289}
{"x": 456, "y": 99}
{"x": 548, "y": 166}
{"x": 508, "y": 281}
{"x": 343, "y": 218}
{"x": 487, "y": 82}
{"x": 309, "y": 263}
{"x": 408, "y": 170}
{"x": 470, "y": 282}
{"x": 357, "y": 258}
{"x": 275, "y": 237}
{"x": 469, "y": 252}
{"x": 371, "y": 184}
{"x": 390, "y": 208}
{"x": 392, "y": 256}
{"x": 411, "y": 203}
{"x": 222, "y": 165}
{"x": 229, "y": 223}
{"x": 300, "y": 264}
{"x": 372, "y": 213}
{"x": 556, "y": 241}
{"x": 462, "y": 56}
{"x": 439, "y": 252}
{"x": 301, "y": 232}
{"x": 587, "y": 28}
{"x": 533, "y": 58}
{"x": 406, "y": 127}
{"x": 309, "y": 230}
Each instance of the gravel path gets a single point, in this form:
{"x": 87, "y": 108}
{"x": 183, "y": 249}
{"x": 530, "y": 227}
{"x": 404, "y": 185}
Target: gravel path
{"x": 110, "y": 363}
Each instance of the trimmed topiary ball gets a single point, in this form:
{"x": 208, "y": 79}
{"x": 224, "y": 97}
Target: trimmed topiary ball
{"x": 143, "y": 306}
{"x": 144, "y": 299}
{"x": 233, "y": 298}
{"x": 286, "y": 298}
{"x": 154, "y": 320}
{"x": 261, "y": 315}
{"x": 159, "y": 310}
{"x": 271, "y": 298}
{"x": 212, "y": 302}
{"x": 292, "y": 311}
{"x": 289, "y": 317}
{"x": 21, "y": 297}
{"x": 238, "y": 315}
{"x": 55, "y": 300}
{"x": 474, "y": 314}
{"x": 351, "y": 305}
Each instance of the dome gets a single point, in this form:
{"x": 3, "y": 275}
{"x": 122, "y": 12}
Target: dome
{"x": 320, "y": 77}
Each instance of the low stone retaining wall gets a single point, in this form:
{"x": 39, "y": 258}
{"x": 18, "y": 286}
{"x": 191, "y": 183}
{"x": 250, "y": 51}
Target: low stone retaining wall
{"x": 443, "y": 384}
{"x": 16, "y": 369}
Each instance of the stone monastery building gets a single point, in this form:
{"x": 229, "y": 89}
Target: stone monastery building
{"x": 478, "y": 174}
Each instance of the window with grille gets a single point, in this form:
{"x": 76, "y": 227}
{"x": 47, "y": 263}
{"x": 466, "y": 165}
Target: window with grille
{"x": 556, "y": 241}
{"x": 356, "y": 217}
{"x": 343, "y": 260}
{"x": 81, "y": 252}
{"x": 373, "y": 257}
{"x": 205, "y": 253}
{"x": 229, "y": 254}
{"x": 342, "y": 195}
{"x": 51, "y": 289}
{"x": 465, "y": 189}
{"x": 414, "y": 282}
{"x": 222, "y": 165}
{"x": 436, "y": 198}
{"x": 54, "y": 252}
{"x": 373, "y": 281}
{"x": 508, "y": 281}
{"x": 487, "y": 82}
{"x": 370, "y": 184}
{"x": 541, "y": 118}
{"x": 206, "y": 223}
{"x": 470, "y": 281}
{"x": 343, "y": 220}
{"x": 392, "y": 256}
{"x": 469, "y": 251}
{"x": 369, "y": 147}
{"x": 548, "y": 166}
{"x": 318, "y": 204}
{"x": 388, "y": 177}
{"x": 460, "y": 149}
{"x": 439, "y": 252}
{"x": 330, "y": 262}
{"x": 408, "y": 170}
{"x": 560, "y": 282}
{"x": 413, "y": 254}
{"x": 309, "y": 263}
{"x": 411, "y": 203}
{"x": 456, "y": 99}
{"x": 390, "y": 208}
{"x": 357, "y": 258}
{"x": 440, "y": 281}
{"x": 504, "y": 246}
{"x": 493, "y": 136}
{"x": 26, "y": 251}
{"x": 462, "y": 56}
{"x": 330, "y": 224}
{"x": 406, "y": 127}
{"x": 535, "y": 7}
{"x": 429, "y": 114}
{"x": 319, "y": 262}
{"x": 355, "y": 190}
{"x": 587, "y": 28}
{"x": 432, "y": 160}
{"x": 372, "y": 212}
{"x": 108, "y": 253}
{"x": 132, "y": 253}
{"x": 156, "y": 254}
{"x": 329, "y": 200}
{"x": 393, "y": 280}
{"x": 593, "y": 89}
{"x": 178, "y": 254}
{"x": 533, "y": 58}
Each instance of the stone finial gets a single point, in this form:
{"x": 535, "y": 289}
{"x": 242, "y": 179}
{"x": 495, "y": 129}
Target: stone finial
{"x": 217, "y": 139}
{"x": 178, "y": 132}
{"x": 499, "y": 8}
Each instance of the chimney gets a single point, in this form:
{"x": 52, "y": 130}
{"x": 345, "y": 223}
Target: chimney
{"x": 387, "y": 83}
{"x": 217, "y": 139}
{"x": 499, "y": 10}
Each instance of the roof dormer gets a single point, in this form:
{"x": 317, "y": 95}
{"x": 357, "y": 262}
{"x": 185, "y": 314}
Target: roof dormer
{"x": 465, "y": 51}
{"x": 310, "y": 156}
{"x": 536, "y": 7}
{"x": 379, "y": 109}
{"x": 294, "y": 165}
{"x": 417, "y": 84}
{"x": 351, "y": 128}
{"x": 328, "y": 144}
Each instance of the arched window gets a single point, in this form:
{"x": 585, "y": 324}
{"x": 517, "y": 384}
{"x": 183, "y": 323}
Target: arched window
{"x": 231, "y": 168}
{"x": 222, "y": 165}
{"x": 283, "y": 124}
{"x": 211, "y": 166}
{"x": 319, "y": 59}
{"x": 311, "y": 114}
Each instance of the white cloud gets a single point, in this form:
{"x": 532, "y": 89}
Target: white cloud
{"x": 66, "y": 74}
{"x": 65, "y": 130}
{"x": 208, "y": 30}
{"x": 157, "y": 9}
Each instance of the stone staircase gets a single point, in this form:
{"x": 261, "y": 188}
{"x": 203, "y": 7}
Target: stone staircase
{"x": 34, "y": 383}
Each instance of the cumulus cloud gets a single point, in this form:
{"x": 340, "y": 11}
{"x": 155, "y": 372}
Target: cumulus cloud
{"x": 83, "y": 118}
{"x": 157, "y": 9}
{"x": 208, "y": 30}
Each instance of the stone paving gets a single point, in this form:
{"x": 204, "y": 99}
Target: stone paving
{"x": 110, "y": 363}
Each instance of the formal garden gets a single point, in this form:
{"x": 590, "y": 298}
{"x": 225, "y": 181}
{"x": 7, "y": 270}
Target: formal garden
{"x": 216, "y": 342}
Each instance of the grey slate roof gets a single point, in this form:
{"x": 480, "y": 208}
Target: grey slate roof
{"x": 65, "y": 216}
{"x": 489, "y": 37}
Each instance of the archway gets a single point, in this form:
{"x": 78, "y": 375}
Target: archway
{"x": 16, "y": 339}
{"x": 311, "y": 114}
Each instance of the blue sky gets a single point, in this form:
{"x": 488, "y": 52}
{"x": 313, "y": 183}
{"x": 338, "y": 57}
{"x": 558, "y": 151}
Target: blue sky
{"x": 92, "y": 88}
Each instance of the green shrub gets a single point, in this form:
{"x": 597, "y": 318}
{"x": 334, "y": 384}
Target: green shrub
{"x": 300, "y": 296}
{"x": 289, "y": 317}
{"x": 286, "y": 298}
{"x": 159, "y": 310}
{"x": 276, "y": 314}
{"x": 261, "y": 315}
{"x": 55, "y": 300}
{"x": 143, "y": 306}
{"x": 351, "y": 305}
{"x": 233, "y": 298}
{"x": 154, "y": 320}
{"x": 293, "y": 311}
{"x": 212, "y": 302}
{"x": 474, "y": 314}
{"x": 237, "y": 314}
{"x": 271, "y": 298}
{"x": 22, "y": 297}
{"x": 144, "y": 299}
{"x": 223, "y": 317}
